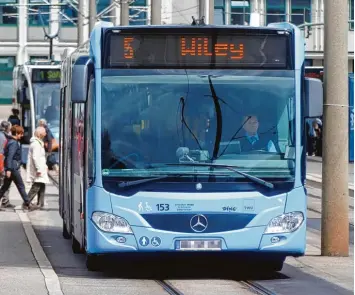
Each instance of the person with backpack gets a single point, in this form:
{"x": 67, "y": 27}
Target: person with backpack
{"x": 12, "y": 166}
{"x": 5, "y": 129}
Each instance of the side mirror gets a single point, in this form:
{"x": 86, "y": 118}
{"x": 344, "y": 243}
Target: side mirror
{"x": 313, "y": 98}
{"x": 82, "y": 70}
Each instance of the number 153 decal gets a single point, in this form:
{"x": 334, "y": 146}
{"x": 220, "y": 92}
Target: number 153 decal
{"x": 163, "y": 207}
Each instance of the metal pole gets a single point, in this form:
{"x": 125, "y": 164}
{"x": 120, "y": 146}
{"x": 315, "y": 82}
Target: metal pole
{"x": 202, "y": 9}
{"x": 51, "y": 49}
{"x": 156, "y": 12}
{"x": 124, "y": 13}
{"x": 80, "y": 23}
{"x": 335, "y": 194}
{"x": 92, "y": 15}
{"x": 211, "y": 12}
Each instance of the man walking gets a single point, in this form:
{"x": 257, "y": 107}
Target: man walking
{"x": 13, "y": 165}
{"x": 5, "y": 131}
{"x": 37, "y": 167}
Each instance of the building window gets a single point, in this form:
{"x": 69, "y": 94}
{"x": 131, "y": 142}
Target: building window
{"x": 219, "y": 12}
{"x": 36, "y": 12}
{"x": 70, "y": 15}
{"x": 8, "y": 14}
{"x": 275, "y": 11}
{"x": 7, "y": 64}
{"x": 240, "y": 12}
{"x": 138, "y": 13}
{"x": 351, "y": 14}
{"x": 301, "y": 11}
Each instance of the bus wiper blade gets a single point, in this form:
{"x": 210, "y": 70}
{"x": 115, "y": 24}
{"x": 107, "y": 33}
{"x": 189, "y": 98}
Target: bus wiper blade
{"x": 231, "y": 168}
{"x": 152, "y": 179}
{"x": 140, "y": 181}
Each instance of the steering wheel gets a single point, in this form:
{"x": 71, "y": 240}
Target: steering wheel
{"x": 127, "y": 159}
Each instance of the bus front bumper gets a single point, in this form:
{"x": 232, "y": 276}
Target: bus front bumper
{"x": 148, "y": 240}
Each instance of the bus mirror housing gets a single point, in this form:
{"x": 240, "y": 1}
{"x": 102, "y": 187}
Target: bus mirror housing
{"x": 313, "y": 98}
{"x": 82, "y": 70}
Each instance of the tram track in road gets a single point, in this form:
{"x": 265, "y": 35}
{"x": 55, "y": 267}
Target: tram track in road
{"x": 169, "y": 288}
{"x": 250, "y": 285}
{"x": 257, "y": 288}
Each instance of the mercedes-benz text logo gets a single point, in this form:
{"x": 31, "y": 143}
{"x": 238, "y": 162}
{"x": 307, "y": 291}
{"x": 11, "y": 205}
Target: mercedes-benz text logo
{"x": 198, "y": 223}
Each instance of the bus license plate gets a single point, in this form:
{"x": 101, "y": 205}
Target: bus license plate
{"x": 200, "y": 245}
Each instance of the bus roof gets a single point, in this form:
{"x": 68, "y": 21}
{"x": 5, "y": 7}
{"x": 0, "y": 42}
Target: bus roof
{"x": 197, "y": 27}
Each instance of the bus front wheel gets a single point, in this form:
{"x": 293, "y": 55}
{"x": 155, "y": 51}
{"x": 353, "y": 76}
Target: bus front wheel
{"x": 92, "y": 262}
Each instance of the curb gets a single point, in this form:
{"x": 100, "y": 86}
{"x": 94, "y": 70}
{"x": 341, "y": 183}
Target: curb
{"x": 50, "y": 277}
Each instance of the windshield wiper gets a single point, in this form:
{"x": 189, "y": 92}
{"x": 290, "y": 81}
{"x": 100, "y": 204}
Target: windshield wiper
{"x": 152, "y": 179}
{"x": 231, "y": 168}
{"x": 140, "y": 181}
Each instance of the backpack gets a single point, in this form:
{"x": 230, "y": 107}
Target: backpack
{"x": 2, "y": 157}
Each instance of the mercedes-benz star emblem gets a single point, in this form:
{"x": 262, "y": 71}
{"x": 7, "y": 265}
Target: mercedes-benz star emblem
{"x": 198, "y": 223}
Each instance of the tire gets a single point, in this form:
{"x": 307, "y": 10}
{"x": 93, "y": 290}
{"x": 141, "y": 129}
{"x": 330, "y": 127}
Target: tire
{"x": 93, "y": 262}
{"x": 66, "y": 234}
{"x": 75, "y": 245}
{"x": 272, "y": 265}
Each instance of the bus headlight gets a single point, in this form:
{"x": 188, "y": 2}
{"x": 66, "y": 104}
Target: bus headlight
{"x": 285, "y": 223}
{"x": 111, "y": 223}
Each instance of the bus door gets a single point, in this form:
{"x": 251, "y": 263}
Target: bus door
{"x": 77, "y": 157}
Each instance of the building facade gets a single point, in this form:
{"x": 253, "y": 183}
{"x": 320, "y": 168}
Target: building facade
{"x": 24, "y": 23}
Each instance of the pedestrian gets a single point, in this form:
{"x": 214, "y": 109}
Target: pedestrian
{"x": 5, "y": 134}
{"x": 36, "y": 167}
{"x": 318, "y": 138}
{"x": 48, "y": 145}
{"x": 13, "y": 165}
{"x": 14, "y": 119}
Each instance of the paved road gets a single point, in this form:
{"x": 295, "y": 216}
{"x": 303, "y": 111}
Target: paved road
{"x": 191, "y": 277}
{"x": 314, "y": 166}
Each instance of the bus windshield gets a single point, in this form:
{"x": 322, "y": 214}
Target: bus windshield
{"x": 47, "y": 102}
{"x": 151, "y": 118}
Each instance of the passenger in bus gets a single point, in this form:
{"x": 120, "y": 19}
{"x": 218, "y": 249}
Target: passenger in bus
{"x": 14, "y": 118}
{"x": 53, "y": 110}
{"x": 48, "y": 145}
{"x": 252, "y": 140}
{"x": 37, "y": 167}
{"x": 5, "y": 134}
{"x": 13, "y": 165}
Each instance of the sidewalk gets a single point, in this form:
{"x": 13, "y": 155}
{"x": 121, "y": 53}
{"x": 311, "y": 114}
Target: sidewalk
{"x": 19, "y": 271}
{"x": 336, "y": 270}
{"x": 24, "y": 267}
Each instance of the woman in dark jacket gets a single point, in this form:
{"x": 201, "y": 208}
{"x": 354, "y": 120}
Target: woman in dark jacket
{"x": 12, "y": 167}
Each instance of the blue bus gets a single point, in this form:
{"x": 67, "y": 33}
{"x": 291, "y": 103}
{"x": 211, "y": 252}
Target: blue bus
{"x": 186, "y": 139}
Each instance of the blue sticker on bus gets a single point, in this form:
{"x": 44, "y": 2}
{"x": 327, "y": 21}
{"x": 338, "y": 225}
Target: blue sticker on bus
{"x": 156, "y": 241}
{"x": 144, "y": 241}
